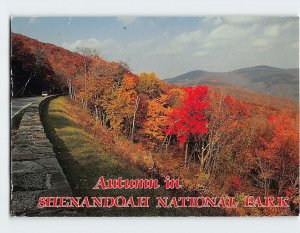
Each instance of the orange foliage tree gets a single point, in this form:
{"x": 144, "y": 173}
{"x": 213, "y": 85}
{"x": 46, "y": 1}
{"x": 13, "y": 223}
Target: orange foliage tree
{"x": 278, "y": 155}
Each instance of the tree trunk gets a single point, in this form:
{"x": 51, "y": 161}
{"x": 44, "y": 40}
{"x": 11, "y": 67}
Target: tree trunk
{"x": 186, "y": 153}
{"x": 168, "y": 142}
{"x": 96, "y": 112}
{"x": 134, "y": 115}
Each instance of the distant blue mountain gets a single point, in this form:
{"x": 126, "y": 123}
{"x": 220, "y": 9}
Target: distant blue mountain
{"x": 264, "y": 79}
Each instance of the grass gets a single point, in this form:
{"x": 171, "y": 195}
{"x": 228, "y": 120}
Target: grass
{"x": 84, "y": 158}
{"x": 16, "y": 120}
{"x": 15, "y": 124}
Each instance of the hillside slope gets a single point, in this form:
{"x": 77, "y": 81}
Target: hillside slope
{"x": 264, "y": 79}
{"x": 37, "y": 66}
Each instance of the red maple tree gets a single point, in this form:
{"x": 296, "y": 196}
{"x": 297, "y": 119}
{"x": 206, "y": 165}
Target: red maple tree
{"x": 188, "y": 121}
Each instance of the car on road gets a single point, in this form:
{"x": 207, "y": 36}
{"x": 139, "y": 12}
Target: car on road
{"x": 44, "y": 94}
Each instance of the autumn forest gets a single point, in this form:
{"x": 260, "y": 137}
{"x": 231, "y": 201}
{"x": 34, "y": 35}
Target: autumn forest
{"x": 215, "y": 140}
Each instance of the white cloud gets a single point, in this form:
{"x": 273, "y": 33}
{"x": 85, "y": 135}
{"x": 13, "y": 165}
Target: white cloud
{"x": 178, "y": 44}
{"x": 126, "y": 20}
{"x": 272, "y": 30}
{"x": 140, "y": 44}
{"x": 104, "y": 47}
{"x": 295, "y": 45}
{"x": 275, "y": 29}
{"x": 32, "y": 20}
{"x": 242, "y": 20}
{"x": 262, "y": 44}
{"x": 200, "y": 53}
{"x": 213, "y": 20}
{"x": 228, "y": 31}
{"x": 188, "y": 37}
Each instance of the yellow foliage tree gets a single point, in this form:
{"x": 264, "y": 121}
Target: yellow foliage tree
{"x": 155, "y": 124}
{"x": 150, "y": 85}
{"x": 122, "y": 106}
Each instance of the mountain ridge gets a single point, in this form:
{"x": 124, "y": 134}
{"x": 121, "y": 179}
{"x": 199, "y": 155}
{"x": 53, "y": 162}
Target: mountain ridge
{"x": 264, "y": 79}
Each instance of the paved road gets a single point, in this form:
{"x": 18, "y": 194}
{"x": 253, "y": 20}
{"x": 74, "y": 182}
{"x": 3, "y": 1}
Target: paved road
{"x": 19, "y": 103}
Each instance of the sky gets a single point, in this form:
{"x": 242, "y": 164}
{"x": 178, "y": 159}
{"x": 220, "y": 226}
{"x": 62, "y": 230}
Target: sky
{"x": 171, "y": 46}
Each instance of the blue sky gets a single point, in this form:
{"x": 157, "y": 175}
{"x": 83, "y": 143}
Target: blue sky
{"x": 171, "y": 46}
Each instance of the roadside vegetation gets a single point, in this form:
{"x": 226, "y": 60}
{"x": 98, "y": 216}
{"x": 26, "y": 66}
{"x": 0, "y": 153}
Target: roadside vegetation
{"x": 15, "y": 123}
{"x": 85, "y": 154}
{"x": 16, "y": 120}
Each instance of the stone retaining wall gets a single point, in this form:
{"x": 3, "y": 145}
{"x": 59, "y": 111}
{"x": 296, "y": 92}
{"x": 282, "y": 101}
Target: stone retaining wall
{"x": 35, "y": 171}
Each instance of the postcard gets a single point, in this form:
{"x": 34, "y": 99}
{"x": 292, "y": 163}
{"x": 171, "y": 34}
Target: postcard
{"x": 154, "y": 116}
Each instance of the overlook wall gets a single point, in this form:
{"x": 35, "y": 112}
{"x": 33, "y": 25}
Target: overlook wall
{"x": 35, "y": 171}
